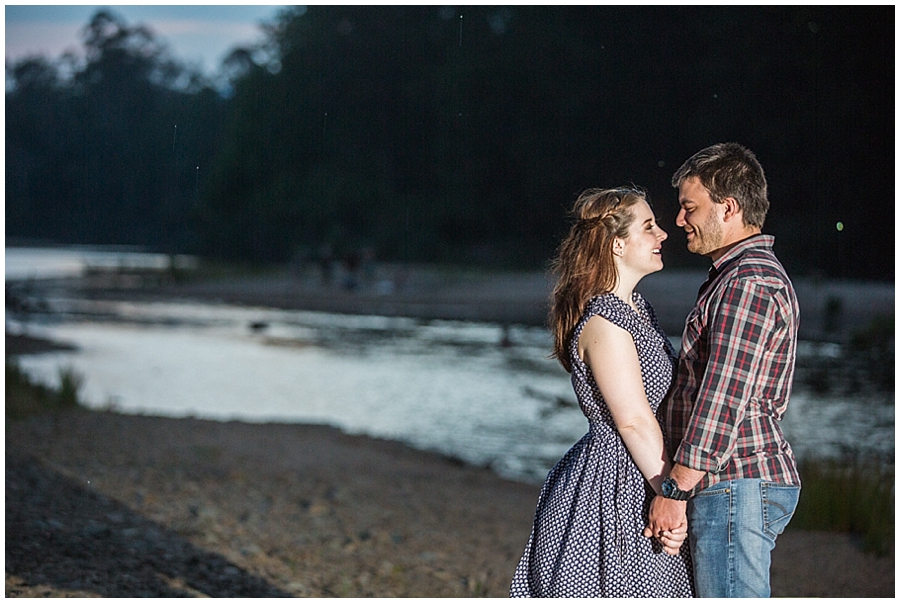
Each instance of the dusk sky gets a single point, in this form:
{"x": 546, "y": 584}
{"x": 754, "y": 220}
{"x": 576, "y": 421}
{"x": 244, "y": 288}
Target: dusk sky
{"x": 198, "y": 34}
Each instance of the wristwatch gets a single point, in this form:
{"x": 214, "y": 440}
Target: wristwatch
{"x": 670, "y": 489}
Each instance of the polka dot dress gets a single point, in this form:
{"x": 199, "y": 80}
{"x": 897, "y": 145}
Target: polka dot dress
{"x": 587, "y": 537}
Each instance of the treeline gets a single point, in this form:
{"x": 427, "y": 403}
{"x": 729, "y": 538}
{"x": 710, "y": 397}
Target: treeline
{"x": 105, "y": 152}
{"x": 456, "y": 134}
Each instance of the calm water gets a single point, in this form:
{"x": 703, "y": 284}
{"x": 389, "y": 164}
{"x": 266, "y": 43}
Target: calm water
{"x": 436, "y": 385}
{"x": 51, "y": 262}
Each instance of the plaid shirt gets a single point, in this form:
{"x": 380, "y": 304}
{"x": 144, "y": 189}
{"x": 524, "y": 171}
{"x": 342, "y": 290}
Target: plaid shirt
{"x": 736, "y": 369}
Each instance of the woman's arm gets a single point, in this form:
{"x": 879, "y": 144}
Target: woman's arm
{"x": 610, "y": 353}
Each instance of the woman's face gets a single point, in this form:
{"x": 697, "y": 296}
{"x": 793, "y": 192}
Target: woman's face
{"x": 641, "y": 251}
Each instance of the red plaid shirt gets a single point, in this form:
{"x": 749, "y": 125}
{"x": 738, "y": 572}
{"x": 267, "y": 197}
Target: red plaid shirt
{"x": 736, "y": 369}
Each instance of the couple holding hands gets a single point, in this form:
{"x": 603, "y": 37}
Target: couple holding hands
{"x": 684, "y": 479}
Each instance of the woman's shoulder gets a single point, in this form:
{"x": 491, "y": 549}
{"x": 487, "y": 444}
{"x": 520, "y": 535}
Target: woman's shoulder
{"x": 603, "y": 305}
{"x": 602, "y": 302}
{"x": 608, "y": 306}
{"x": 620, "y": 313}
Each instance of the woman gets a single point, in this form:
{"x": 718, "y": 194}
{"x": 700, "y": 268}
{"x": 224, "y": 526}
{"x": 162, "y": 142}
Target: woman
{"x": 587, "y": 537}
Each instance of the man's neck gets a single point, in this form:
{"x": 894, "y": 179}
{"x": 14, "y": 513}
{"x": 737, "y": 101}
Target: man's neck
{"x": 738, "y": 237}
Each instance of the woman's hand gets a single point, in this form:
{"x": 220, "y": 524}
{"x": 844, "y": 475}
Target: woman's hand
{"x": 671, "y": 540}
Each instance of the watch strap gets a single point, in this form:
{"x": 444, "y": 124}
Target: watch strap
{"x": 671, "y": 490}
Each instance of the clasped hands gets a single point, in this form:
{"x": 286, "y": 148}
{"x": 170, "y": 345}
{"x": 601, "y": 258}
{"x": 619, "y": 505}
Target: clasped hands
{"x": 667, "y": 523}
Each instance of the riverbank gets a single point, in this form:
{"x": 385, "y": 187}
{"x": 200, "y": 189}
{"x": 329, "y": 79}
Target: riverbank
{"x": 103, "y": 504}
{"x": 831, "y": 310}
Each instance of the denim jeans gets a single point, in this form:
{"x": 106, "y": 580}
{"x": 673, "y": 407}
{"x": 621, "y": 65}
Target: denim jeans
{"x": 733, "y": 526}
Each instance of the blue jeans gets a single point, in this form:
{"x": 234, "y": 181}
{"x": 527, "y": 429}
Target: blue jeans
{"x": 733, "y": 526}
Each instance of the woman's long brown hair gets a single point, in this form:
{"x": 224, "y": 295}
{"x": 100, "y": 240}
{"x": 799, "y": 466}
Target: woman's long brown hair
{"x": 584, "y": 264}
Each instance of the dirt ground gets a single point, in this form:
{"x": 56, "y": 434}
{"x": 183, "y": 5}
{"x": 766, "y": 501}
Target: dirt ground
{"x": 108, "y": 505}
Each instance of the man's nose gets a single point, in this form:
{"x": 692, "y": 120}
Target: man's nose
{"x": 679, "y": 219}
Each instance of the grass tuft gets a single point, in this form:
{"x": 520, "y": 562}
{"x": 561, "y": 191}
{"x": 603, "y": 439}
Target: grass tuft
{"x": 25, "y": 398}
{"x": 855, "y": 496}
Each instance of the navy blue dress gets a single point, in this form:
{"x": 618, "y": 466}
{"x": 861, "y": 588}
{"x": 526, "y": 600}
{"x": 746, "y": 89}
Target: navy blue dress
{"x": 587, "y": 536}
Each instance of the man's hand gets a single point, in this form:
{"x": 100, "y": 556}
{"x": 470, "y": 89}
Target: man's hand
{"x": 668, "y": 518}
{"x": 667, "y": 523}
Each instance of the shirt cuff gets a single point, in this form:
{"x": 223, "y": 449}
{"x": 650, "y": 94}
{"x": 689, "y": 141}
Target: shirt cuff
{"x": 696, "y": 458}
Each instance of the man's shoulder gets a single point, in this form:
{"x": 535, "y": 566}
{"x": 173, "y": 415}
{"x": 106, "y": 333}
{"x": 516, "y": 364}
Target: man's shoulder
{"x": 759, "y": 263}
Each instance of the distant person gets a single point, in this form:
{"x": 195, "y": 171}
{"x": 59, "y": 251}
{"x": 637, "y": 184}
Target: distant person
{"x": 326, "y": 264}
{"x": 352, "y": 261}
{"x": 735, "y": 475}
{"x": 587, "y": 538}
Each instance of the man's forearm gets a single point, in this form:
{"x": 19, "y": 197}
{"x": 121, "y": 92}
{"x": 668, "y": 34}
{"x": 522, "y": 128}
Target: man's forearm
{"x": 685, "y": 477}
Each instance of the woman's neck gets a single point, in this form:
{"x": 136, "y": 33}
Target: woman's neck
{"x": 624, "y": 289}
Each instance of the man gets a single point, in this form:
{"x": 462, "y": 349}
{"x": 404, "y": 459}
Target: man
{"x": 734, "y": 474}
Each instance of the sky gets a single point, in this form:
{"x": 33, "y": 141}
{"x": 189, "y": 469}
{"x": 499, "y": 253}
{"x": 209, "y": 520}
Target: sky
{"x": 200, "y": 35}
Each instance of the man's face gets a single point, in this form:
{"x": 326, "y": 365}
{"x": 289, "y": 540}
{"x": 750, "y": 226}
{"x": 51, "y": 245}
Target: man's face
{"x": 700, "y": 217}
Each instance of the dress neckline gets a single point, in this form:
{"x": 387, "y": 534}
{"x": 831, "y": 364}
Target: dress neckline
{"x": 636, "y": 297}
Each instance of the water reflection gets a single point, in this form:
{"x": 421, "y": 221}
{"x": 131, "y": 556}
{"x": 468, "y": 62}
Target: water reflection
{"x": 484, "y": 393}
{"x": 74, "y": 261}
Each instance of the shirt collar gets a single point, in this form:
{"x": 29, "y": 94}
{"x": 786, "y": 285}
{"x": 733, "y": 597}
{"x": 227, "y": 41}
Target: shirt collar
{"x": 757, "y": 241}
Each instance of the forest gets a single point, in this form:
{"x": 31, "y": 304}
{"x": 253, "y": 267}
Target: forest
{"x": 456, "y": 135}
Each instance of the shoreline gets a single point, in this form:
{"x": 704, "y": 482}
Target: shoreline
{"x": 831, "y": 310}
{"x": 134, "y": 505}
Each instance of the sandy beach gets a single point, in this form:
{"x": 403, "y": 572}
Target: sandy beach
{"x": 113, "y": 505}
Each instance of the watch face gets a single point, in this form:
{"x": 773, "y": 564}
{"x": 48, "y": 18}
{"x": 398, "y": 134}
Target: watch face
{"x": 668, "y": 488}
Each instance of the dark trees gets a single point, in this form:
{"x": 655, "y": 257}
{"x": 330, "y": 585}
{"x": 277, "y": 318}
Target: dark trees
{"x": 109, "y": 155}
{"x": 440, "y": 134}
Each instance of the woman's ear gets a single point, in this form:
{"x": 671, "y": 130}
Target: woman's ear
{"x": 618, "y": 246}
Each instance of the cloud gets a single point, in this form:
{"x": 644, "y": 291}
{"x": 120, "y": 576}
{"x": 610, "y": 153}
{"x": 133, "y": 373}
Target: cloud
{"x": 200, "y": 35}
{"x": 181, "y": 29}
{"x": 206, "y": 42}
{"x": 48, "y": 39}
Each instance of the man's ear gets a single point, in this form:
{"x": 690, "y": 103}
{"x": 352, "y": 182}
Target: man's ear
{"x": 732, "y": 209}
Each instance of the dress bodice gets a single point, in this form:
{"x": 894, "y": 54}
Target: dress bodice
{"x": 657, "y": 357}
